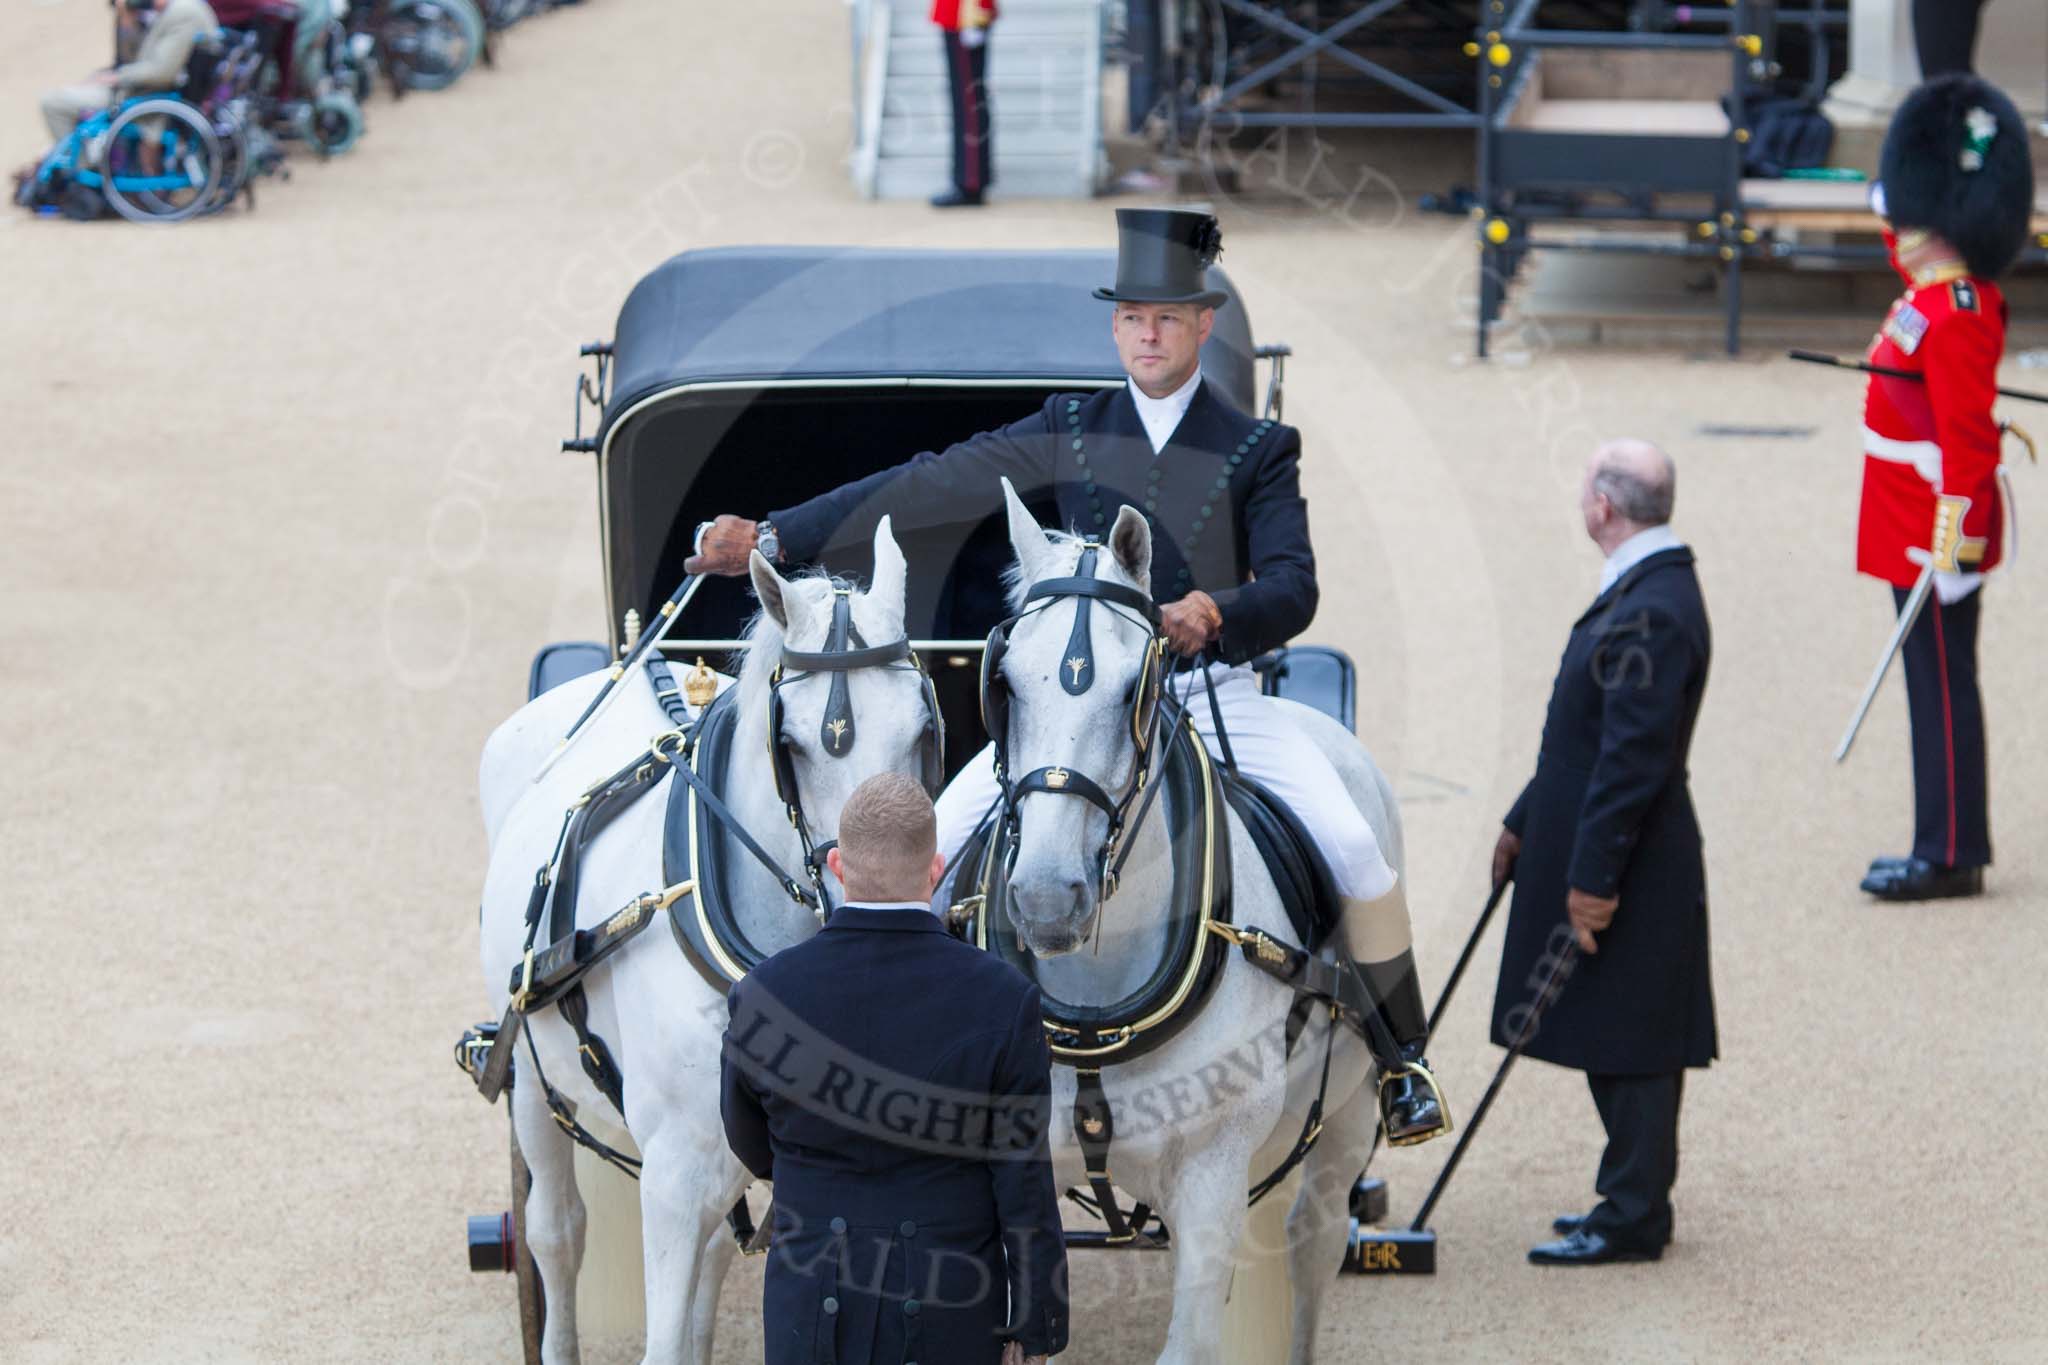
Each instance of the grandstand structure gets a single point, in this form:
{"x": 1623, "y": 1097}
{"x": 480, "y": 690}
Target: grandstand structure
{"x": 1607, "y": 127}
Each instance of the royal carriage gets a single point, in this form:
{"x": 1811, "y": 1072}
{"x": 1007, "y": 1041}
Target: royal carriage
{"x": 744, "y": 379}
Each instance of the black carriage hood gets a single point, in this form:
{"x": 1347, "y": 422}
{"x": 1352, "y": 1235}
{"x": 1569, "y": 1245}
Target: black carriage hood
{"x": 858, "y": 313}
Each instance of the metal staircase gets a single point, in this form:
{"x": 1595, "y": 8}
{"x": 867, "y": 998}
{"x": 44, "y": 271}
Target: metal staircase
{"x": 1045, "y": 97}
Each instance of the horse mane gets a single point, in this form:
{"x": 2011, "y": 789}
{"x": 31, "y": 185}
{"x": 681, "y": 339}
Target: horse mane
{"x": 1066, "y": 547}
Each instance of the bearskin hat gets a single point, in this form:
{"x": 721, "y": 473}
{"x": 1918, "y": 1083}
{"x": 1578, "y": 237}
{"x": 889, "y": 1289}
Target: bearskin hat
{"x": 1956, "y": 162}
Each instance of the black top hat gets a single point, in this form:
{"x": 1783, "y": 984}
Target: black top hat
{"x": 1956, "y": 162}
{"x": 1161, "y": 255}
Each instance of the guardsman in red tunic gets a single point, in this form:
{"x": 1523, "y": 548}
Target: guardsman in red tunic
{"x": 964, "y": 27}
{"x": 1957, "y": 192}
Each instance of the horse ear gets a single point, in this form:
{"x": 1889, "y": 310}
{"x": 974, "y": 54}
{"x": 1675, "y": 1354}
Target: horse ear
{"x": 887, "y": 590}
{"x": 1130, "y": 543}
{"x": 768, "y": 587}
{"x": 1027, "y": 537}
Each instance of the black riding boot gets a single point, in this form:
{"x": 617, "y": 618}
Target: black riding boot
{"x": 1411, "y": 1106}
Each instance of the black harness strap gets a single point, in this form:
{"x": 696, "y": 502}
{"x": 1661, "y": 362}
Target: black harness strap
{"x": 1312, "y": 1126}
{"x": 1077, "y": 665}
{"x": 1095, "y": 1129}
{"x": 564, "y": 1114}
{"x": 723, "y": 814}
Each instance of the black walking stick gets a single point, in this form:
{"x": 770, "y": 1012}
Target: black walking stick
{"x": 1412, "y": 1250}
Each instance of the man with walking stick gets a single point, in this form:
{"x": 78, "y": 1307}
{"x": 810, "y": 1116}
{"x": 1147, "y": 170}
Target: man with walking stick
{"x": 1603, "y": 839}
{"x": 1957, "y": 194}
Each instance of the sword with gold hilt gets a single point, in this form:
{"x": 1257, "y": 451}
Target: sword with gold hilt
{"x": 635, "y": 654}
{"x": 1916, "y": 599}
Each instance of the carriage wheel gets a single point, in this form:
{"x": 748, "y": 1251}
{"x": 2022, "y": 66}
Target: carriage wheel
{"x": 533, "y": 1304}
{"x": 188, "y": 156}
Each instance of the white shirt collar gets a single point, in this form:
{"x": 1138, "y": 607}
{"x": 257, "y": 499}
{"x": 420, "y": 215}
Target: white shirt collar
{"x": 1635, "y": 550}
{"x": 889, "y": 905}
{"x": 1162, "y": 415}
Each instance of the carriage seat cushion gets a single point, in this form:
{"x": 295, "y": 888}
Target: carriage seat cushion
{"x": 1299, "y": 873}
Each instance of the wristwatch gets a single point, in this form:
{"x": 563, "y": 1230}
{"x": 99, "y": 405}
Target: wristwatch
{"x": 768, "y": 541}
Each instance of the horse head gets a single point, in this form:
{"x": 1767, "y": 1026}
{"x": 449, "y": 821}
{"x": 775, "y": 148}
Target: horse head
{"x": 1074, "y": 668}
{"x": 830, "y": 668}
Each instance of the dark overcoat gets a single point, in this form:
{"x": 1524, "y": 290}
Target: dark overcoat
{"x": 1608, "y": 812}
{"x": 1223, "y": 500}
{"x": 893, "y": 1082}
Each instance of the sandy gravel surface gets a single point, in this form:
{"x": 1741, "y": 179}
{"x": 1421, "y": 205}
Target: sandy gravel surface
{"x": 281, "y": 523}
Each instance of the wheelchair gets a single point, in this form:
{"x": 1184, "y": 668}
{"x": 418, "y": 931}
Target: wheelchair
{"x": 307, "y": 90}
{"x": 418, "y": 44}
{"x": 162, "y": 157}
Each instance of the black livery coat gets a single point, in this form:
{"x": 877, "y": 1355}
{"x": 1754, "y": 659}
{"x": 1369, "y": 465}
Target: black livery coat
{"x": 893, "y": 1081}
{"x": 1608, "y": 812}
{"x": 1223, "y": 500}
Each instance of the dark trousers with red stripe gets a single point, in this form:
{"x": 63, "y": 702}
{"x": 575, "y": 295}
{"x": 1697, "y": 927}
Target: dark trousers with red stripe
{"x": 1951, "y": 825}
{"x": 967, "y": 75}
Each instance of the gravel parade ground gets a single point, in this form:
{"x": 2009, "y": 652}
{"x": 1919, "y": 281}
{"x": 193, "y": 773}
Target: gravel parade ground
{"x": 282, "y": 522}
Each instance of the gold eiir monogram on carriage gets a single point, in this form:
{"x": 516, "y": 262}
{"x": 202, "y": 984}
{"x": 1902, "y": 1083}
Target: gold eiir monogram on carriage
{"x": 1077, "y": 663}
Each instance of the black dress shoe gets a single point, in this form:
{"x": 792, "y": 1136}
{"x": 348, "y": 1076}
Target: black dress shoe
{"x": 1587, "y": 1248}
{"x": 1565, "y": 1224}
{"x": 1916, "y": 879}
{"x": 958, "y": 199}
{"x": 1887, "y": 864}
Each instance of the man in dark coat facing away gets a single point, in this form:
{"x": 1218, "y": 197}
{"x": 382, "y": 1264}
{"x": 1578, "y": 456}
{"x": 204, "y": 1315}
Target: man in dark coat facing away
{"x": 894, "y": 1083}
{"x": 1604, "y": 849}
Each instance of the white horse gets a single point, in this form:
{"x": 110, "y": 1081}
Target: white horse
{"x": 661, "y": 1020}
{"x": 1198, "y": 1120}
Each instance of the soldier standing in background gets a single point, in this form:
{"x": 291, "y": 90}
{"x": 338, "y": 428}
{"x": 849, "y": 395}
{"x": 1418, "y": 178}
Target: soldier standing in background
{"x": 1957, "y": 194}
{"x": 963, "y": 31}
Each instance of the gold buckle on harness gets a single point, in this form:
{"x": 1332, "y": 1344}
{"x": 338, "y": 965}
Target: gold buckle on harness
{"x": 1265, "y": 948}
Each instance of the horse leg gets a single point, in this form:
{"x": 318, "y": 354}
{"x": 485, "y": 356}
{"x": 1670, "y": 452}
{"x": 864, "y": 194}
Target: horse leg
{"x": 679, "y": 1210}
{"x": 1320, "y": 1220}
{"x": 719, "y": 1252}
{"x": 1206, "y": 1211}
{"x": 554, "y": 1218}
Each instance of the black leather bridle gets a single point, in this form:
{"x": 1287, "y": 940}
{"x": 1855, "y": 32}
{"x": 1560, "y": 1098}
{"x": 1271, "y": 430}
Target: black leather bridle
{"x": 1077, "y": 675}
{"x": 844, "y": 651}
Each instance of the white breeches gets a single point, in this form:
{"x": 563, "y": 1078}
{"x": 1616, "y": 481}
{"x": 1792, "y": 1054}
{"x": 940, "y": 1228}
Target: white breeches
{"x": 1268, "y": 748}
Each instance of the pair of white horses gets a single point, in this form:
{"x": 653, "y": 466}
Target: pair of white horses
{"x": 1229, "y": 1103}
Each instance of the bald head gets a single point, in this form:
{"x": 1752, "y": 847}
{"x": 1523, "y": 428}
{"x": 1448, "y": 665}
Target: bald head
{"x": 1630, "y": 486}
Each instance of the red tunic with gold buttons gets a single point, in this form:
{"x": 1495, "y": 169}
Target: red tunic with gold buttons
{"x": 1923, "y": 440}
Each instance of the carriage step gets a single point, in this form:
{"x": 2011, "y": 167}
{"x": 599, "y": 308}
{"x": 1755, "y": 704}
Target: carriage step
{"x": 1385, "y": 1251}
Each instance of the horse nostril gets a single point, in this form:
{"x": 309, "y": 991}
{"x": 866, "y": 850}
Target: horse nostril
{"x": 1077, "y": 895}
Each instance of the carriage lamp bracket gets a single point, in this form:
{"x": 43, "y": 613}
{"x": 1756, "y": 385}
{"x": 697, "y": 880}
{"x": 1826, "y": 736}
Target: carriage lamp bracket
{"x": 1277, "y": 353}
{"x": 593, "y": 391}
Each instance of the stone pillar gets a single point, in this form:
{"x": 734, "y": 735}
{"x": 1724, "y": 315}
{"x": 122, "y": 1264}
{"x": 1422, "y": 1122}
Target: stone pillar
{"x": 1882, "y": 68}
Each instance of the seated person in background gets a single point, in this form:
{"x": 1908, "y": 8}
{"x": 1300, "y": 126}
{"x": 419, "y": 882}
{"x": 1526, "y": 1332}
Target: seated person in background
{"x": 159, "y": 63}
